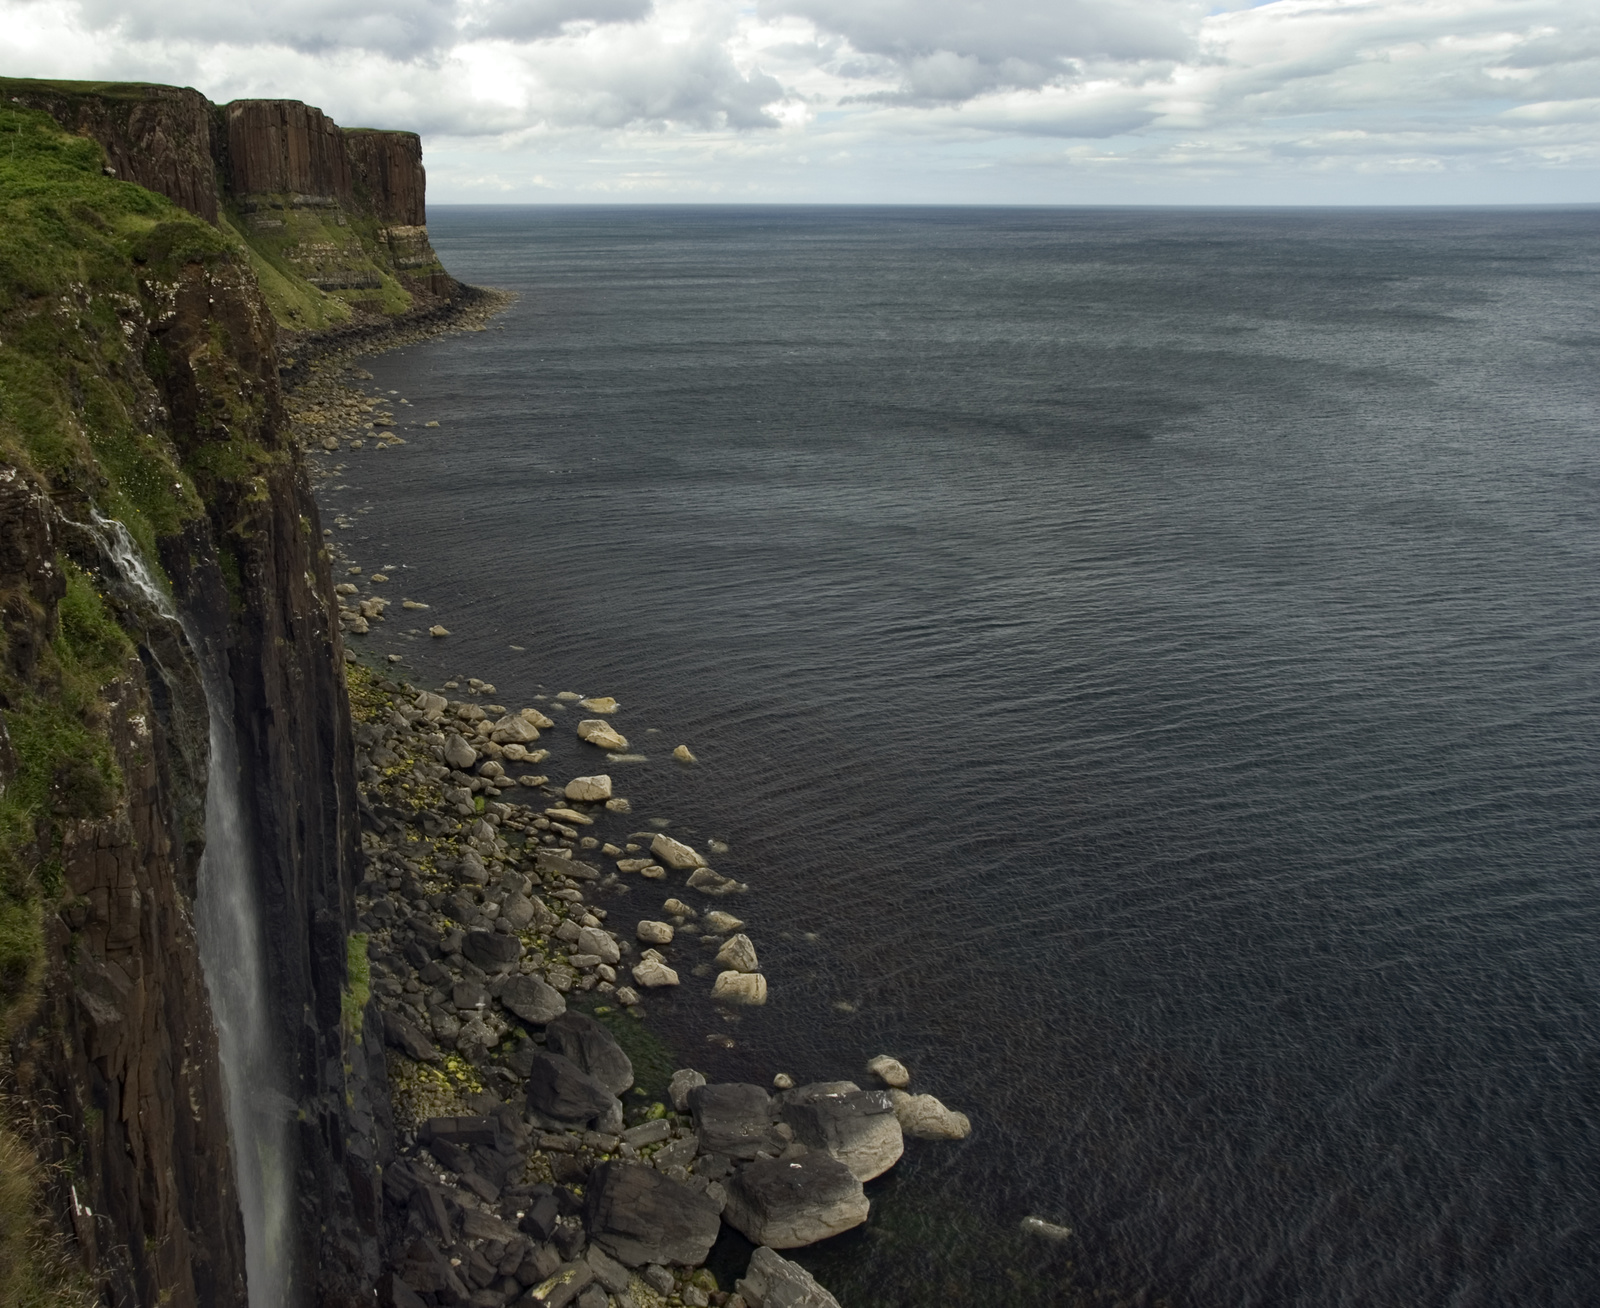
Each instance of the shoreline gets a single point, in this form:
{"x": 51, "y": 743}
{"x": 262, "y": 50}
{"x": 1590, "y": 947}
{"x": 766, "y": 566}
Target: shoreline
{"x": 483, "y": 921}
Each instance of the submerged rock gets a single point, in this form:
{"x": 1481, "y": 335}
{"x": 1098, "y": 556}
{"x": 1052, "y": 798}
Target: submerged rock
{"x": 600, "y": 704}
{"x": 599, "y": 732}
{"x": 925, "y": 1118}
{"x": 675, "y": 854}
{"x": 891, "y": 1071}
{"x": 746, "y": 988}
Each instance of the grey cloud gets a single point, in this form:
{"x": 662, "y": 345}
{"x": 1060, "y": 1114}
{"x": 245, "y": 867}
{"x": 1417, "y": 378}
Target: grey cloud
{"x": 948, "y": 51}
{"x": 698, "y": 88}
{"x": 528, "y": 20}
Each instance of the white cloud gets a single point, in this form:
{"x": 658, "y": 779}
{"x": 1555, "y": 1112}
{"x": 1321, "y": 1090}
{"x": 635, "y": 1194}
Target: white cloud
{"x": 943, "y": 100}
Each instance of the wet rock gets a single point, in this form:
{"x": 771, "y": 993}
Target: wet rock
{"x": 736, "y": 1120}
{"x": 925, "y": 1118}
{"x": 674, "y": 853}
{"x": 532, "y": 1000}
{"x": 437, "y": 630}
{"x": 559, "y": 1088}
{"x": 457, "y": 753}
{"x": 651, "y": 973}
{"x": 789, "y": 1202}
{"x": 683, "y": 1081}
{"x": 891, "y": 1071}
{"x": 708, "y": 882}
{"x": 655, "y": 933}
{"x": 600, "y": 704}
{"x": 639, "y": 1216}
{"x": 772, "y": 1281}
{"x": 683, "y": 755}
{"x": 738, "y": 955}
{"x": 857, "y": 1127}
{"x": 745, "y": 988}
{"x": 1046, "y": 1230}
{"x": 589, "y": 790}
{"x": 513, "y": 729}
{"x": 721, "y": 923}
{"x": 591, "y": 1048}
{"x": 599, "y": 732}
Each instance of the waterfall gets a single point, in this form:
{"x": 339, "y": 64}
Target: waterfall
{"x": 233, "y": 957}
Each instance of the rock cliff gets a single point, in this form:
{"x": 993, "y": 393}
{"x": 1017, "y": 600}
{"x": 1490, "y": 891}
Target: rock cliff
{"x": 139, "y": 382}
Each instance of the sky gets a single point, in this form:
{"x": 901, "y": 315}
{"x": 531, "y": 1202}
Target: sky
{"x": 899, "y": 101}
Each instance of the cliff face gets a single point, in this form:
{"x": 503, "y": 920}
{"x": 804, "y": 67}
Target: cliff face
{"x": 139, "y": 380}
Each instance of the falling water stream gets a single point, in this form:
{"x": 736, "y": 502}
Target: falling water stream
{"x": 232, "y": 955}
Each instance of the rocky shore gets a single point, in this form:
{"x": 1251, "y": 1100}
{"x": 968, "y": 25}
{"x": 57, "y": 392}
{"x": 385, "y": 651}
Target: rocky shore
{"x": 512, "y": 928}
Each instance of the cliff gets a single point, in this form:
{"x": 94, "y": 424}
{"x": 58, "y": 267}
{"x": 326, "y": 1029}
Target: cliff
{"x": 139, "y": 382}
{"x": 333, "y": 221}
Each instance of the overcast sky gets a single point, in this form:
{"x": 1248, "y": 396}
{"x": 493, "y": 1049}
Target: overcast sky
{"x": 964, "y": 101}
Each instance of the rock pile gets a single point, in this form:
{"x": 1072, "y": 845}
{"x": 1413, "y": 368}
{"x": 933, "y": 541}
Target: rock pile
{"x": 526, "y": 1170}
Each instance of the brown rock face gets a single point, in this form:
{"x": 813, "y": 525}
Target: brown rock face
{"x": 387, "y": 175}
{"x": 159, "y": 137}
{"x": 119, "y": 1063}
{"x": 278, "y": 146}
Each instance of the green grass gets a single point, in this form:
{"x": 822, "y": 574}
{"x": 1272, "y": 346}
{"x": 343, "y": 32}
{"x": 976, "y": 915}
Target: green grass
{"x": 35, "y": 1268}
{"x": 358, "y": 985}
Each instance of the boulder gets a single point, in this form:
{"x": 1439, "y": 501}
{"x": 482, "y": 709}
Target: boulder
{"x": 471, "y": 868}
{"x": 639, "y": 1216}
{"x": 513, "y": 729}
{"x": 772, "y": 1281}
{"x": 404, "y": 1035}
{"x": 891, "y": 1071}
{"x": 789, "y": 1202}
{"x": 532, "y": 1000}
{"x": 675, "y": 854}
{"x": 428, "y": 702}
{"x": 562, "y": 1286}
{"x": 651, "y": 973}
{"x": 592, "y": 1048}
{"x": 491, "y": 950}
{"x": 594, "y": 940}
{"x": 857, "y": 1127}
{"x": 655, "y": 933}
{"x": 736, "y": 1120}
{"x": 537, "y": 718}
{"x": 458, "y": 754}
{"x": 589, "y": 790}
{"x": 597, "y": 731}
{"x": 683, "y": 1081}
{"x": 738, "y": 955}
{"x": 721, "y": 923}
{"x": 708, "y": 882}
{"x": 559, "y": 1088}
{"x": 747, "y": 988}
{"x": 600, "y": 704}
{"x": 517, "y": 911}
{"x": 925, "y": 1118}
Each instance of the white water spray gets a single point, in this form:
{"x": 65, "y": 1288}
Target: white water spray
{"x": 233, "y": 957}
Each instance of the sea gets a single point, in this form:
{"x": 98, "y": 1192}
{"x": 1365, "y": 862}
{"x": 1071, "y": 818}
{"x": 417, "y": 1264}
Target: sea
{"x": 1145, "y": 666}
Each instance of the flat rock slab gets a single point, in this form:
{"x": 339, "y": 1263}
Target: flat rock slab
{"x": 592, "y": 1048}
{"x": 772, "y": 1281}
{"x": 559, "y": 1088}
{"x": 736, "y": 1120}
{"x": 790, "y": 1202}
{"x": 639, "y": 1216}
{"x": 857, "y": 1127}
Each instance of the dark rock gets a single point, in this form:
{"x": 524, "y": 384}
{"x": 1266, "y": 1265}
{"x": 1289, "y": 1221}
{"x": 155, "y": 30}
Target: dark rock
{"x": 607, "y": 1270}
{"x": 395, "y": 1293}
{"x": 569, "y": 1169}
{"x": 789, "y": 1202}
{"x": 563, "y": 1286}
{"x": 593, "y": 1048}
{"x": 539, "y": 1221}
{"x": 428, "y": 1204}
{"x": 559, "y": 1088}
{"x": 532, "y": 1000}
{"x": 570, "y": 1240}
{"x": 593, "y": 1296}
{"x": 639, "y": 1216}
{"x": 462, "y": 1131}
{"x": 772, "y": 1281}
{"x": 735, "y": 1120}
{"x": 490, "y": 950}
{"x": 479, "y": 1225}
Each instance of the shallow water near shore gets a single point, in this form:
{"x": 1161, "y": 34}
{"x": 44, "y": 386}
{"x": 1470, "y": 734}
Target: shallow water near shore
{"x": 1145, "y": 665}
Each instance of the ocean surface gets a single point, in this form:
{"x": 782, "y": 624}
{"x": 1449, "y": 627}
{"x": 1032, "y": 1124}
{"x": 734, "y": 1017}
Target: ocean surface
{"x": 1146, "y": 666}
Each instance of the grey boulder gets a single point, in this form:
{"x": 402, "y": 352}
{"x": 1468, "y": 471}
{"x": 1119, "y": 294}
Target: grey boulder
{"x": 491, "y": 950}
{"x": 639, "y": 1216}
{"x": 795, "y": 1201}
{"x": 858, "y": 1127}
{"x": 532, "y": 1000}
{"x": 579, "y": 1037}
{"x": 735, "y": 1120}
{"x": 772, "y": 1281}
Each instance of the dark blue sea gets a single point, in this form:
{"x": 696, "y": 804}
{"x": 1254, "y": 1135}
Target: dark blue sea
{"x": 1146, "y": 666}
